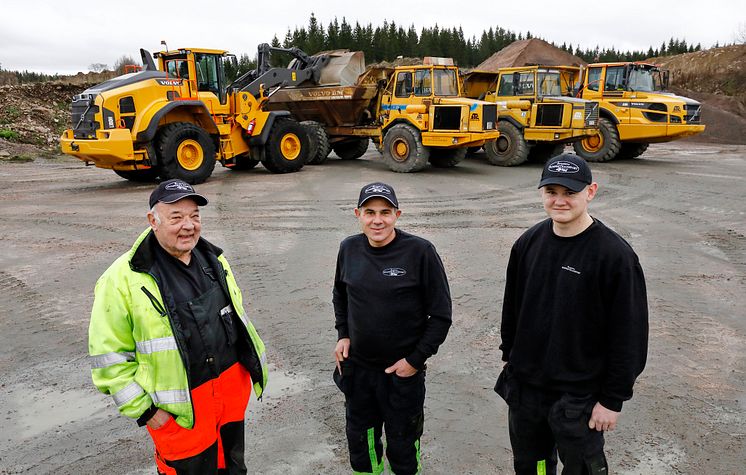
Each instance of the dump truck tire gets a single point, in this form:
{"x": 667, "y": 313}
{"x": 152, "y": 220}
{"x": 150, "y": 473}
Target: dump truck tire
{"x": 602, "y": 147}
{"x": 318, "y": 142}
{"x": 447, "y": 157}
{"x": 351, "y": 149}
{"x": 509, "y": 149}
{"x": 244, "y": 162}
{"x": 403, "y": 149}
{"x": 186, "y": 152}
{"x": 631, "y": 150}
{"x": 286, "y": 150}
{"x": 541, "y": 152}
{"x": 139, "y": 176}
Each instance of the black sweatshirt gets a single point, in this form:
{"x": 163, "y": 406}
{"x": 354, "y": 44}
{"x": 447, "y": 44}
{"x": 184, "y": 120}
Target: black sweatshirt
{"x": 392, "y": 302}
{"x": 575, "y": 314}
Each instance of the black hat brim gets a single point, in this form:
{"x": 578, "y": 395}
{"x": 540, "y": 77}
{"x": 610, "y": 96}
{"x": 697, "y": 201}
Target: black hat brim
{"x": 569, "y": 183}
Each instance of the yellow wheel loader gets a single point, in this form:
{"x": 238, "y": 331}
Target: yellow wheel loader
{"x": 176, "y": 119}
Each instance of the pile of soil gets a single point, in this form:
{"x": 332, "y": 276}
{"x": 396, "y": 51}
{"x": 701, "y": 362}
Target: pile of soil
{"x": 529, "y": 52}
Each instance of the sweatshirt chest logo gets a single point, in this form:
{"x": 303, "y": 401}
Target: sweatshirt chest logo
{"x": 571, "y": 269}
{"x": 394, "y": 272}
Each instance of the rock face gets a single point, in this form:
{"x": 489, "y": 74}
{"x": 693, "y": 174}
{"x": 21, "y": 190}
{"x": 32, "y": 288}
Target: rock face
{"x": 529, "y": 52}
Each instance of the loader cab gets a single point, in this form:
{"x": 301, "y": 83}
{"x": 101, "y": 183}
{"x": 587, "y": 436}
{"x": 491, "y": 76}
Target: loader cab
{"x": 201, "y": 72}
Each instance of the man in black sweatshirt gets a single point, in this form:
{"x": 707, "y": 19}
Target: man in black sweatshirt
{"x": 392, "y": 307}
{"x": 574, "y": 329}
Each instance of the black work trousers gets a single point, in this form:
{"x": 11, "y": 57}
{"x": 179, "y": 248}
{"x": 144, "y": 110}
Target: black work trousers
{"x": 377, "y": 402}
{"x": 543, "y": 423}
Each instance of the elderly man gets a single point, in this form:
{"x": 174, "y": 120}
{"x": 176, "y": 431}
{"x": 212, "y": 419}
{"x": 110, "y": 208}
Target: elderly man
{"x": 393, "y": 310}
{"x": 574, "y": 329}
{"x": 170, "y": 342}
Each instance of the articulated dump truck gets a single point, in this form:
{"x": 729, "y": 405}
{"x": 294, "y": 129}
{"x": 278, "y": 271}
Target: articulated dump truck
{"x": 635, "y": 110}
{"x": 536, "y": 116}
{"x": 414, "y": 115}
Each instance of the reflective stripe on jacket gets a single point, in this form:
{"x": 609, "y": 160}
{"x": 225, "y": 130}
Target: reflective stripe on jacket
{"x": 135, "y": 355}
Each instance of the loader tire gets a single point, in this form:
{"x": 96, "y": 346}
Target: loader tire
{"x": 631, "y": 150}
{"x": 447, "y": 157}
{"x": 352, "y": 148}
{"x": 186, "y": 152}
{"x": 403, "y": 150}
{"x": 509, "y": 149}
{"x": 602, "y": 147}
{"x": 139, "y": 176}
{"x": 318, "y": 142}
{"x": 244, "y": 162}
{"x": 286, "y": 150}
{"x": 541, "y": 152}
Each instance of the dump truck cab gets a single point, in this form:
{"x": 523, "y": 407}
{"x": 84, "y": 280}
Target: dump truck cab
{"x": 429, "y": 97}
{"x": 536, "y": 115}
{"x": 635, "y": 111}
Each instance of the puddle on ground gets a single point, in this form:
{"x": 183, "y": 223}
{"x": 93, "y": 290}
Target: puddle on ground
{"x": 31, "y": 412}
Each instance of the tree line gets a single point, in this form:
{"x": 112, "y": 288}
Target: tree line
{"x": 390, "y": 40}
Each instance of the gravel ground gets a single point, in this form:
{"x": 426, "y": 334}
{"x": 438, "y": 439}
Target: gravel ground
{"x": 680, "y": 206}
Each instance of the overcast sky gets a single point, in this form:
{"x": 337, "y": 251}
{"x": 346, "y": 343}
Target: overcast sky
{"x": 53, "y": 36}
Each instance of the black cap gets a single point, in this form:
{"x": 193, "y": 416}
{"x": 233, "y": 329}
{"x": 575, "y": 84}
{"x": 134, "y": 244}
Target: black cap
{"x": 171, "y": 191}
{"x": 567, "y": 170}
{"x": 377, "y": 190}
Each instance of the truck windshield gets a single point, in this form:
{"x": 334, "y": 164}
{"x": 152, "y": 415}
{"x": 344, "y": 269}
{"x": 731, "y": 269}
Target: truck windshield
{"x": 548, "y": 83}
{"x": 643, "y": 79}
{"x": 446, "y": 83}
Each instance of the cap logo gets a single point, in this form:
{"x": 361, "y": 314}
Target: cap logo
{"x": 377, "y": 189}
{"x": 563, "y": 167}
{"x": 179, "y": 185}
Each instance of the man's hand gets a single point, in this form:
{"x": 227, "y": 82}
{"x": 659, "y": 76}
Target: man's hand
{"x": 602, "y": 419}
{"x": 402, "y": 368}
{"x": 159, "y": 419}
{"x": 341, "y": 352}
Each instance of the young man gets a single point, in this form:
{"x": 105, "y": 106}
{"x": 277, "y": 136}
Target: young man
{"x": 170, "y": 342}
{"x": 393, "y": 310}
{"x": 574, "y": 329}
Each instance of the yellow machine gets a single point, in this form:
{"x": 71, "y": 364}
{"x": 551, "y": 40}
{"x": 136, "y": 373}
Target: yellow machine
{"x": 536, "y": 118}
{"x": 634, "y": 111}
{"x": 415, "y": 115}
{"x": 177, "y": 119}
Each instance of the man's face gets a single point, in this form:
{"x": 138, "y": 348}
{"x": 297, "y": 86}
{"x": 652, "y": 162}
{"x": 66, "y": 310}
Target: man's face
{"x": 565, "y": 206}
{"x": 179, "y": 227}
{"x": 377, "y": 219}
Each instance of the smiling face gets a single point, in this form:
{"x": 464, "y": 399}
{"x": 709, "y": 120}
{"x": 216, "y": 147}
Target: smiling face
{"x": 377, "y": 219}
{"x": 568, "y": 209}
{"x": 177, "y": 227}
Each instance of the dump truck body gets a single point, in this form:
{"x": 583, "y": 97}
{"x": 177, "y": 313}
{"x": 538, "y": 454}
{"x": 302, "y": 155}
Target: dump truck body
{"x": 635, "y": 111}
{"x": 536, "y": 118}
{"x": 176, "y": 119}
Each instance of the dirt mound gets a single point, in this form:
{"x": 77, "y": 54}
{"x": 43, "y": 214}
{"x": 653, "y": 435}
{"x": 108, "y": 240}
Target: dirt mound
{"x": 529, "y": 52}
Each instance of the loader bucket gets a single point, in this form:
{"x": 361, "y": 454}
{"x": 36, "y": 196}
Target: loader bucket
{"x": 343, "y": 69}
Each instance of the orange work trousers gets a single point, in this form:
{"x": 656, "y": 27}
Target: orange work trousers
{"x": 216, "y": 441}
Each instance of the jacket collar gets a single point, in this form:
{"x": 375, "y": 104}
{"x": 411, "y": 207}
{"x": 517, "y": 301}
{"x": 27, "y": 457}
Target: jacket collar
{"x": 142, "y": 254}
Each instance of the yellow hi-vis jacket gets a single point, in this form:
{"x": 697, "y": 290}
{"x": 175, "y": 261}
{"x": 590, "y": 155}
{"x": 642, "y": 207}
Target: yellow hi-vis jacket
{"x": 136, "y": 357}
